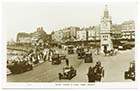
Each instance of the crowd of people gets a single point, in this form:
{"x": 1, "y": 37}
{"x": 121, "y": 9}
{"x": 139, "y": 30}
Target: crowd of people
{"x": 42, "y": 53}
{"x": 35, "y": 55}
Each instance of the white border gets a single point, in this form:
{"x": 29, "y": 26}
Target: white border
{"x": 130, "y": 85}
{"x": 53, "y": 85}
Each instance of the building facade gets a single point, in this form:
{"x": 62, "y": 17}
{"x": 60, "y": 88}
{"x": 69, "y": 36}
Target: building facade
{"x": 93, "y": 33}
{"x": 23, "y": 38}
{"x": 57, "y": 36}
{"x": 128, "y": 30}
{"x": 106, "y": 40}
{"x": 34, "y": 37}
{"x": 70, "y": 33}
{"x": 66, "y": 35}
{"x": 81, "y": 35}
{"x": 116, "y": 32}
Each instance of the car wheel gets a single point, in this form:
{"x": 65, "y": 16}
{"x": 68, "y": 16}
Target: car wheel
{"x": 59, "y": 77}
{"x": 103, "y": 73}
{"x": 85, "y": 61}
{"x": 133, "y": 79}
{"x": 69, "y": 77}
{"x": 125, "y": 75}
{"x": 99, "y": 79}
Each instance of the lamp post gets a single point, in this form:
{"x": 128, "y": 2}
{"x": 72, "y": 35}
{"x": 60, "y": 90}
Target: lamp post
{"x": 86, "y": 37}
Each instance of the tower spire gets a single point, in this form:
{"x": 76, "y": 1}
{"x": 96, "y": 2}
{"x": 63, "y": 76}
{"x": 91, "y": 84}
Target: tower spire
{"x": 106, "y": 13}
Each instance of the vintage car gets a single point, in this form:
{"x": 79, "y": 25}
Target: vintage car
{"x": 127, "y": 46}
{"x": 62, "y": 56}
{"x": 88, "y": 57}
{"x": 81, "y": 53}
{"x": 70, "y": 49}
{"x": 110, "y": 52}
{"x": 95, "y": 73}
{"x": 68, "y": 73}
{"x": 56, "y": 58}
{"x": 130, "y": 74}
{"x": 124, "y": 46}
{"x": 19, "y": 67}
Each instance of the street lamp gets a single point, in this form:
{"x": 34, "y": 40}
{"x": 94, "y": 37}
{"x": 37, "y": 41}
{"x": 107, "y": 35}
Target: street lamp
{"x": 86, "y": 37}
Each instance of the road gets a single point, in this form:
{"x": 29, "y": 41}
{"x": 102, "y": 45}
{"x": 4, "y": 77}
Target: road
{"x": 114, "y": 67}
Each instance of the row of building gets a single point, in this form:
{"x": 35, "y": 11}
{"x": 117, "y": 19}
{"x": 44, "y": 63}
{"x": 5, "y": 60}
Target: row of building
{"x": 76, "y": 34}
{"x": 126, "y": 30}
{"x": 38, "y": 36}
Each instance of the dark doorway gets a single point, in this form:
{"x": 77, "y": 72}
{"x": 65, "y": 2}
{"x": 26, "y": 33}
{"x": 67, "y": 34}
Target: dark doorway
{"x": 105, "y": 48}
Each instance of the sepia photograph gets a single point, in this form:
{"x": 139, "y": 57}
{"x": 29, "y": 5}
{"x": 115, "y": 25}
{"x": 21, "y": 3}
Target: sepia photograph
{"x": 70, "y": 42}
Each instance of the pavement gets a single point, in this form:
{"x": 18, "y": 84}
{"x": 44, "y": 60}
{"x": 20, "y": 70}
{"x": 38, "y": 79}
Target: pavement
{"x": 114, "y": 67}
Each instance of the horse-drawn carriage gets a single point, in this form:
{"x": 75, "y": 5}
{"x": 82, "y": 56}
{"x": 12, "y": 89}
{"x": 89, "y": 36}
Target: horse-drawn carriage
{"x": 95, "y": 73}
{"x": 68, "y": 73}
{"x": 130, "y": 74}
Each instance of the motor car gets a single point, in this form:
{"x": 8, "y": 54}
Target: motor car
{"x": 95, "y": 74}
{"x": 62, "y": 56}
{"x": 56, "y": 58}
{"x": 68, "y": 73}
{"x": 88, "y": 57}
{"x": 17, "y": 67}
{"x": 124, "y": 47}
{"x": 70, "y": 49}
{"x": 127, "y": 46}
{"x": 130, "y": 74}
{"x": 81, "y": 53}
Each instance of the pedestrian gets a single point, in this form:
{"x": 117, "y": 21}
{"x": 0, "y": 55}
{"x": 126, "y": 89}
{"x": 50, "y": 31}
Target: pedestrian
{"x": 67, "y": 62}
{"x": 97, "y": 50}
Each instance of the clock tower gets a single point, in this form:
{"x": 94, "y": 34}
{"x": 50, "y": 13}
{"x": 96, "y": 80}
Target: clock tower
{"x": 105, "y": 27}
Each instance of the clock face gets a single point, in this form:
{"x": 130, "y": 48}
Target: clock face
{"x": 105, "y": 25}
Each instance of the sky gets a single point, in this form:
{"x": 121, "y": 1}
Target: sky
{"x": 27, "y": 16}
